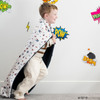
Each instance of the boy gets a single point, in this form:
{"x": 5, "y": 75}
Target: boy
{"x": 30, "y": 61}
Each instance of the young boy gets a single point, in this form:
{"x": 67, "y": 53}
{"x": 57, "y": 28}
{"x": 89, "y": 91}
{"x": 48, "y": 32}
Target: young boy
{"x": 35, "y": 69}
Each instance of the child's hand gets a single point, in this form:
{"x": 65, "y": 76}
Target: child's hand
{"x": 54, "y": 38}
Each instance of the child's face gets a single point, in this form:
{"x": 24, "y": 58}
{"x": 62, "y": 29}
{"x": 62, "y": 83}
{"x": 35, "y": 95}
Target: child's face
{"x": 51, "y": 17}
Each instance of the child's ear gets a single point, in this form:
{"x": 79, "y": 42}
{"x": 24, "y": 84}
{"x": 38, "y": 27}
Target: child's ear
{"x": 46, "y": 15}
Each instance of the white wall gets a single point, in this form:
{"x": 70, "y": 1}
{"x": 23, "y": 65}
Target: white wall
{"x": 66, "y": 70}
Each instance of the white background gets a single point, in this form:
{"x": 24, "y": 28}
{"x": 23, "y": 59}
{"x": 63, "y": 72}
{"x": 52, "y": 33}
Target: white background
{"x": 66, "y": 64}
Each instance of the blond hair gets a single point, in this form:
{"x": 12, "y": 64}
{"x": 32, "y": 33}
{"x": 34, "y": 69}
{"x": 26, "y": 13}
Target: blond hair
{"x": 46, "y": 8}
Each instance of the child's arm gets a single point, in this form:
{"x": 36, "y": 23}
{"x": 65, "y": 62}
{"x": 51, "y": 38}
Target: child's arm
{"x": 54, "y": 38}
{"x": 51, "y": 41}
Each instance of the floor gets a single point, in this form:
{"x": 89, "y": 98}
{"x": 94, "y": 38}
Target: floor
{"x": 59, "y": 97}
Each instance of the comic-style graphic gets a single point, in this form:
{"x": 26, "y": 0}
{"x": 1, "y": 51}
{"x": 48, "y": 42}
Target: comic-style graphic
{"x": 96, "y": 15}
{"x": 90, "y": 58}
{"x": 60, "y": 33}
{"x": 4, "y": 6}
{"x": 50, "y": 1}
{"x": 27, "y": 26}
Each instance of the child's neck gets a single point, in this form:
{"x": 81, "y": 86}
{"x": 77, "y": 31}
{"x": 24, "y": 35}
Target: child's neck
{"x": 48, "y": 23}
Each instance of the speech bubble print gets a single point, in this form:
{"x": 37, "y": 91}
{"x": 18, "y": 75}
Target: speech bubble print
{"x": 60, "y": 33}
{"x": 89, "y": 61}
{"x": 90, "y": 58}
{"x": 96, "y": 15}
{"x": 50, "y": 1}
{"x": 4, "y": 6}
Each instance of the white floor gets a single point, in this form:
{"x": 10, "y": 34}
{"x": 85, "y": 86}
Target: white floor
{"x": 59, "y": 97}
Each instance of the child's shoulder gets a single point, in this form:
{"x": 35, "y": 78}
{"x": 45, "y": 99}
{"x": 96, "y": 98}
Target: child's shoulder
{"x": 40, "y": 24}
